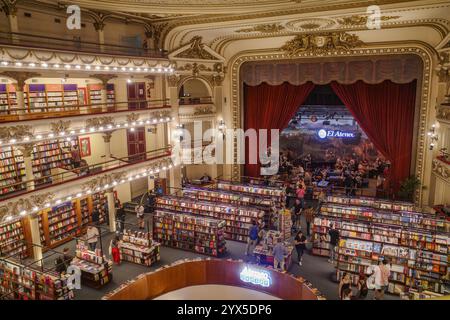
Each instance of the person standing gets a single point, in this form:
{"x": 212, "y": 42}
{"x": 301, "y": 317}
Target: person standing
{"x": 106, "y": 212}
{"x": 151, "y": 201}
{"x": 96, "y": 215}
{"x": 381, "y": 273}
{"x": 300, "y": 246}
{"x": 139, "y": 209}
{"x": 120, "y": 218}
{"x": 334, "y": 241}
{"x": 296, "y": 214}
{"x": 279, "y": 251}
{"x": 309, "y": 217}
{"x": 114, "y": 249}
{"x": 92, "y": 237}
{"x": 76, "y": 156}
{"x": 301, "y": 194}
{"x": 252, "y": 236}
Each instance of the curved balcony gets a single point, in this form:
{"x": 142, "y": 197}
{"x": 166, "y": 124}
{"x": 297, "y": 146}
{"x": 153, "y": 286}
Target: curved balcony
{"x": 51, "y": 112}
{"x": 63, "y": 175}
{"x": 191, "y": 101}
{"x": 52, "y": 43}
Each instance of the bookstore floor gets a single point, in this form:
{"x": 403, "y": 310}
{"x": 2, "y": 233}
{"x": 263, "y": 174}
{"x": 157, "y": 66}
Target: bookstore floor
{"x": 316, "y": 269}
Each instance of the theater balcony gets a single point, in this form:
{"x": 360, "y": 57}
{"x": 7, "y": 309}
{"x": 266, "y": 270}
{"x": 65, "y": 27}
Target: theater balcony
{"x": 65, "y": 181}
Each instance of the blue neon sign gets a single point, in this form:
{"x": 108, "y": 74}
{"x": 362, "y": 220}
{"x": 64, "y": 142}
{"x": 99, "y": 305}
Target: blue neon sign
{"x": 322, "y": 133}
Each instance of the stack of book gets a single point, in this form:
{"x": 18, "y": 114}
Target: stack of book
{"x": 138, "y": 247}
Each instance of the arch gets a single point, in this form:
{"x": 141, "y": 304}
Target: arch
{"x": 202, "y": 79}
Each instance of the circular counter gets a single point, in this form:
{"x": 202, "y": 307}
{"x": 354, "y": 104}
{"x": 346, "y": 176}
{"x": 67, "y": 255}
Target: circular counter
{"x": 187, "y": 273}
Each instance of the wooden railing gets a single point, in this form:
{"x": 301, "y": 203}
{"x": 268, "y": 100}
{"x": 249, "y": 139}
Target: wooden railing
{"x": 215, "y": 271}
{"x": 46, "y": 42}
{"x": 194, "y": 100}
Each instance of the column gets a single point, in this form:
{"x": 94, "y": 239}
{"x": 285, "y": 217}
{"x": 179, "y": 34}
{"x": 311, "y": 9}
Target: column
{"x": 10, "y": 9}
{"x": 20, "y": 77}
{"x": 99, "y": 26}
{"x": 27, "y": 150}
{"x": 36, "y": 239}
{"x": 175, "y": 178}
{"x": 111, "y": 210}
{"x": 107, "y": 139}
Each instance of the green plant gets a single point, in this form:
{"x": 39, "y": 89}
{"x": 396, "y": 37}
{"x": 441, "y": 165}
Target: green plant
{"x": 408, "y": 187}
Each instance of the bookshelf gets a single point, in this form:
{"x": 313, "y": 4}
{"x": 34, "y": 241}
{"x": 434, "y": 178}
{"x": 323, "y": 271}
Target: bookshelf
{"x": 35, "y": 97}
{"x": 99, "y": 198}
{"x": 285, "y": 224}
{"x": 188, "y": 232}
{"x": 95, "y": 93}
{"x": 237, "y": 218}
{"x": 12, "y": 239}
{"x": 110, "y": 95}
{"x": 12, "y": 170}
{"x": 50, "y": 97}
{"x": 416, "y": 244}
{"x": 62, "y": 223}
{"x": 70, "y": 95}
{"x": 85, "y": 211}
{"x": 264, "y": 250}
{"x": 8, "y": 98}
{"x": 276, "y": 194}
{"x": 49, "y": 155}
{"x": 138, "y": 247}
{"x": 41, "y": 229}
{"x": 24, "y": 283}
{"x": 96, "y": 271}
{"x": 372, "y": 202}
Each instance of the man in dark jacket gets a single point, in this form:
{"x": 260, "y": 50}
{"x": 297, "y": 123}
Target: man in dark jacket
{"x": 120, "y": 217}
{"x": 334, "y": 241}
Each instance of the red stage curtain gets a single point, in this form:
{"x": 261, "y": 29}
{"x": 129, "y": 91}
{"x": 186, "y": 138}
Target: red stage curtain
{"x": 271, "y": 107}
{"x": 385, "y": 112}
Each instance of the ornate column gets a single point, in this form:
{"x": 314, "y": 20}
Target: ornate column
{"x": 99, "y": 26}
{"x": 107, "y": 139}
{"x": 10, "y": 9}
{"x": 111, "y": 209}
{"x": 153, "y": 34}
{"x": 27, "y": 150}
{"x": 104, "y": 79}
{"x": 20, "y": 77}
{"x": 36, "y": 239}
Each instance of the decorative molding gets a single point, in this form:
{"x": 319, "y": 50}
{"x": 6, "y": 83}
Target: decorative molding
{"x": 203, "y": 111}
{"x": 263, "y": 28}
{"x": 441, "y": 169}
{"x": 173, "y": 80}
{"x": 443, "y": 110}
{"x": 196, "y": 50}
{"x": 321, "y": 43}
{"x": 99, "y": 182}
{"x": 100, "y": 121}
{"x": 13, "y": 208}
{"x": 195, "y": 68}
{"x": 20, "y": 77}
{"x": 132, "y": 117}
{"x": 15, "y": 132}
{"x": 421, "y": 51}
{"x": 104, "y": 78}
{"x": 358, "y": 20}
{"x": 60, "y": 126}
{"x": 27, "y": 149}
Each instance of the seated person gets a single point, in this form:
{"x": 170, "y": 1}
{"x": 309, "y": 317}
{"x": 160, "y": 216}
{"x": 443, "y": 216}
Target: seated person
{"x": 205, "y": 178}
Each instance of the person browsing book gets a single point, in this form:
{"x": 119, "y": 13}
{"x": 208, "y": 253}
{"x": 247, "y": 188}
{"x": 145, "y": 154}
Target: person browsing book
{"x": 381, "y": 273}
{"x": 92, "y": 237}
{"x": 279, "y": 251}
{"x": 334, "y": 241}
{"x": 252, "y": 236}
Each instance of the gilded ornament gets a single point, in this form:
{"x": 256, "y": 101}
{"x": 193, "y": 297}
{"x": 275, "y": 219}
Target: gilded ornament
{"x": 196, "y": 50}
{"x": 263, "y": 28}
{"x": 203, "y": 111}
{"x": 132, "y": 117}
{"x": 321, "y": 43}
{"x": 100, "y": 121}
{"x": 358, "y": 20}
{"x": 60, "y": 126}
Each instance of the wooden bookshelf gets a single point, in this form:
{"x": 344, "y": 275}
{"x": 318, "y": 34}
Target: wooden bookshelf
{"x": 95, "y": 93}
{"x": 13, "y": 239}
{"x": 110, "y": 95}
{"x": 238, "y": 218}
{"x": 416, "y": 244}
{"x": 8, "y": 99}
{"x": 12, "y": 170}
{"x": 189, "y": 232}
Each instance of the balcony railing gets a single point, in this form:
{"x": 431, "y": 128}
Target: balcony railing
{"x": 195, "y": 100}
{"x": 48, "y": 112}
{"x": 46, "y": 42}
{"x": 68, "y": 175}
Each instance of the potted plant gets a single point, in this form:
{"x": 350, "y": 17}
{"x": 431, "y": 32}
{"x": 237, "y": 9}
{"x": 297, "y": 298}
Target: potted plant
{"x": 408, "y": 188}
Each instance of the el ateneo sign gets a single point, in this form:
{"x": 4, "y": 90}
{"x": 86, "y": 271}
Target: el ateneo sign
{"x": 322, "y": 133}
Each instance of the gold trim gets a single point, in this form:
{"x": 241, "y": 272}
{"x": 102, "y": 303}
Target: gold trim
{"x": 422, "y": 51}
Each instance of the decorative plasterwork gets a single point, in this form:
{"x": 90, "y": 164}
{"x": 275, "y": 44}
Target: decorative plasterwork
{"x": 358, "y": 20}
{"x": 441, "y": 169}
{"x": 195, "y": 68}
{"x": 101, "y": 181}
{"x": 300, "y": 25}
{"x": 132, "y": 117}
{"x": 15, "y": 132}
{"x": 13, "y": 208}
{"x": 203, "y": 111}
{"x": 20, "y": 77}
{"x": 400, "y": 49}
{"x": 263, "y": 28}
{"x": 196, "y": 50}
{"x": 104, "y": 78}
{"x": 321, "y": 43}
{"x": 60, "y": 126}
{"x": 443, "y": 110}
{"x": 100, "y": 121}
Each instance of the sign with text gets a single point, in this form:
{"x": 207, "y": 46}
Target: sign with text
{"x": 322, "y": 133}
{"x": 258, "y": 277}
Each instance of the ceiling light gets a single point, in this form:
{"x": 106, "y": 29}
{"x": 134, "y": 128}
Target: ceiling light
{"x": 78, "y": 66}
{"x": 23, "y": 212}
{"x": 82, "y": 131}
{"x": 92, "y": 129}
{"x": 5, "y": 63}
{"x": 56, "y": 65}
{"x": 115, "y": 68}
{"x": 78, "y": 195}
{"x": 58, "y": 201}
{"x": 88, "y": 67}
{"x": 67, "y": 66}
{"x": 18, "y": 64}
{"x": 106, "y": 68}
{"x": 32, "y": 64}
{"x": 97, "y": 68}
{"x": 123, "y": 69}
{"x": 38, "y": 136}
{"x": 12, "y": 141}
{"x": 69, "y": 198}
{"x": 152, "y": 69}
{"x": 51, "y": 135}
{"x": 44, "y": 65}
